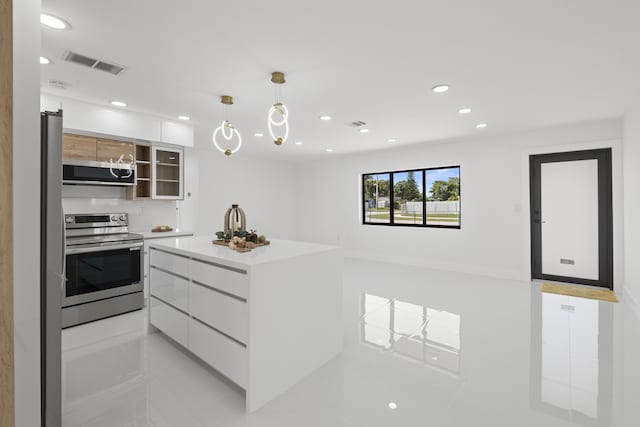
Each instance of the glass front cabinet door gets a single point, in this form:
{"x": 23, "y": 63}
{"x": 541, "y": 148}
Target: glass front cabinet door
{"x": 167, "y": 173}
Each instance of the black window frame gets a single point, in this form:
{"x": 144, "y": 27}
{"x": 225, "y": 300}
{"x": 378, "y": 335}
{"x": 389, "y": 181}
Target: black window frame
{"x": 424, "y": 224}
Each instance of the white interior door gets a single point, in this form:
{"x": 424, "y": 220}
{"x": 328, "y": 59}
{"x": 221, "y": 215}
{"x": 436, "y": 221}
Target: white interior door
{"x": 569, "y": 207}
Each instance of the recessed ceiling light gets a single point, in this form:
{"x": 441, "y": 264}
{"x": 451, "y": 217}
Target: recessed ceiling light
{"x": 391, "y": 140}
{"x": 325, "y": 118}
{"x": 119, "y": 103}
{"x": 258, "y": 134}
{"x": 44, "y": 61}
{"x": 298, "y": 142}
{"x": 465, "y": 110}
{"x": 440, "y": 88}
{"x": 364, "y": 130}
{"x": 53, "y": 22}
{"x": 185, "y": 118}
{"x": 392, "y": 405}
{"x": 329, "y": 150}
{"x": 481, "y": 125}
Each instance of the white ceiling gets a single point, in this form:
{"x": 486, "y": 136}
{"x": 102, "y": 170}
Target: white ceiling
{"x": 518, "y": 64}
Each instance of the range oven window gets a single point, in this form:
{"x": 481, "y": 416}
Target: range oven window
{"x": 97, "y": 271}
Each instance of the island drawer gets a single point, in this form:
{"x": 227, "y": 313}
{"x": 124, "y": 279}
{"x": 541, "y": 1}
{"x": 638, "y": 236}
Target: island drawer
{"x": 170, "y": 321}
{"x": 176, "y": 264}
{"x": 219, "y": 277}
{"x": 170, "y": 288}
{"x": 223, "y": 354}
{"x": 224, "y": 312}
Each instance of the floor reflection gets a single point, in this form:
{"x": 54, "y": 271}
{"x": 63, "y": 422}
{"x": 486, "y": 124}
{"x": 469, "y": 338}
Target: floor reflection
{"x": 446, "y": 349}
{"x": 572, "y": 358}
{"x": 418, "y": 332}
{"x": 105, "y": 383}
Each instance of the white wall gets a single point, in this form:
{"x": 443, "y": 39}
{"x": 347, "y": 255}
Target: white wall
{"x": 494, "y": 239}
{"x": 26, "y": 205}
{"x": 264, "y": 188}
{"x": 143, "y": 215}
{"x": 632, "y": 201}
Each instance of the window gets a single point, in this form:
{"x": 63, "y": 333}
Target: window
{"x": 419, "y": 198}
{"x": 377, "y": 200}
{"x": 407, "y": 197}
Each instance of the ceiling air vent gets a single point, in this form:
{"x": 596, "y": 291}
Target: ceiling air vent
{"x": 357, "y": 123}
{"x": 59, "y": 84}
{"x": 109, "y": 68}
{"x": 94, "y": 63}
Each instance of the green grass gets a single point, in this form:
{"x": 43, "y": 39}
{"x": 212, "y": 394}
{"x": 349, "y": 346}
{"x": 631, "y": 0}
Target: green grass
{"x": 449, "y": 217}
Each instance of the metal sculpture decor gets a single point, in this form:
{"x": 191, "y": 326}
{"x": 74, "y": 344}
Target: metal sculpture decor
{"x": 278, "y": 113}
{"x": 226, "y": 129}
{"x": 235, "y": 220}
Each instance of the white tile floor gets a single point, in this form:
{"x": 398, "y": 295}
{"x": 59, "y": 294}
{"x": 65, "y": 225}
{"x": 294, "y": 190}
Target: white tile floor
{"x": 422, "y": 348}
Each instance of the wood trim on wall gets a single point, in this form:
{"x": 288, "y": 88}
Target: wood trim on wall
{"x": 7, "y": 391}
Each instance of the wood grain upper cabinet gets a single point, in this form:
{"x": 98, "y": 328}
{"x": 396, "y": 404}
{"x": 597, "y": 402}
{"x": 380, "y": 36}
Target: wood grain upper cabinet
{"x": 110, "y": 150}
{"x": 78, "y": 147}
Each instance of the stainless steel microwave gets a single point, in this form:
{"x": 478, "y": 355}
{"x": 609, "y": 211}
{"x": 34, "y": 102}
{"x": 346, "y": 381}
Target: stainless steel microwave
{"x": 98, "y": 173}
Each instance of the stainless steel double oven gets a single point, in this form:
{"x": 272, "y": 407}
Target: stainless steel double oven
{"x": 104, "y": 268}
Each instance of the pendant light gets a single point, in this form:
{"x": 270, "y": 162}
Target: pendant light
{"x": 278, "y": 113}
{"x": 227, "y": 130}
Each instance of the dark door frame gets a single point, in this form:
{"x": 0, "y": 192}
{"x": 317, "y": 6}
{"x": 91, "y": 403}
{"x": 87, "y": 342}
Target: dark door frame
{"x": 605, "y": 214}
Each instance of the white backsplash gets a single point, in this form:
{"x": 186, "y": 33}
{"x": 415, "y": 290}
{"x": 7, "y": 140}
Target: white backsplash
{"x": 143, "y": 215}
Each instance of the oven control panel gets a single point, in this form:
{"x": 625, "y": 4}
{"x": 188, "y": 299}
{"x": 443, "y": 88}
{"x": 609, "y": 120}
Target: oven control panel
{"x": 96, "y": 220}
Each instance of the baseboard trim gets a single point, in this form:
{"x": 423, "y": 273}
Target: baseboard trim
{"x": 452, "y": 268}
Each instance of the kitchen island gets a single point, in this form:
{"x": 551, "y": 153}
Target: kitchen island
{"x": 265, "y": 319}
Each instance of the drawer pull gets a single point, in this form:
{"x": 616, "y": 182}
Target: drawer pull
{"x": 219, "y": 291}
{"x": 220, "y": 332}
{"x": 169, "y": 272}
{"x": 169, "y": 304}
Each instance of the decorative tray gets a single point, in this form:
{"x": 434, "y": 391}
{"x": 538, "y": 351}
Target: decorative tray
{"x": 222, "y": 242}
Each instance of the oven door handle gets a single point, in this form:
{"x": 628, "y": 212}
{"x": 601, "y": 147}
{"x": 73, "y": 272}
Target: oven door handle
{"x": 132, "y": 246}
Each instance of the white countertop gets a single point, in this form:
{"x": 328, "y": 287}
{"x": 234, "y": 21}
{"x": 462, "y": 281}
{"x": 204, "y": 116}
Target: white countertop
{"x": 201, "y": 247}
{"x": 163, "y": 234}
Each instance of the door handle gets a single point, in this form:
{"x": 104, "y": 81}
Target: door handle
{"x": 64, "y": 244}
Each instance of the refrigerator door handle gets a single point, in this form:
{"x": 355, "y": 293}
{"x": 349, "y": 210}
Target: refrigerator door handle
{"x": 64, "y": 248}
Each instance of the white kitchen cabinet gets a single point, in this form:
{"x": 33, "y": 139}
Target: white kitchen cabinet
{"x": 234, "y": 282}
{"x": 177, "y": 265}
{"x": 264, "y": 319}
{"x": 171, "y": 289}
{"x": 167, "y": 172}
{"x": 94, "y": 118}
{"x": 169, "y": 320}
{"x": 148, "y": 236}
{"x": 225, "y": 355}
{"x": 228, "y": 314}
{"x": 176, "y": 133}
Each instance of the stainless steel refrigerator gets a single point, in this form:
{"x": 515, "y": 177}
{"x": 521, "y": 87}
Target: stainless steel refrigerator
{"x": 52, "y": 267}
